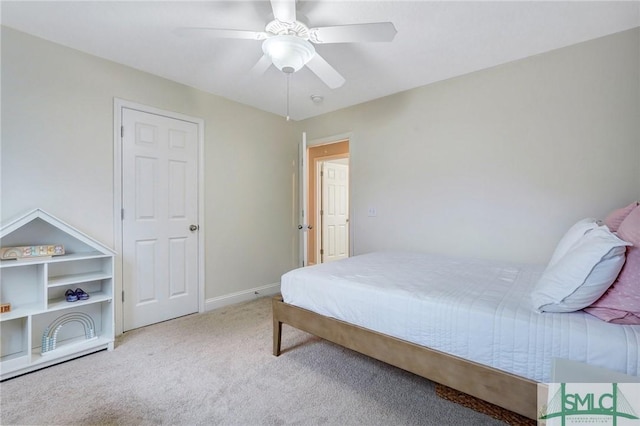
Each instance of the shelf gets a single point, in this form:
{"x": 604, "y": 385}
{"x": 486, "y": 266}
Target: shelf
{"x": 12, "y": 366}
{"x": 21, "y": 311}
{"x": 60, "y": 303}
{"x": 14, "y": 362}
{"x": 23, "y": 262}
{"x": 78, "y": 278}
{"x": 53, "y": 259}
{"x": 79, "y": 256}
{"x": 71, "y": 347}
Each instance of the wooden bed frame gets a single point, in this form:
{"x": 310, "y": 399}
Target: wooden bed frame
{"x": 506, "y": 390}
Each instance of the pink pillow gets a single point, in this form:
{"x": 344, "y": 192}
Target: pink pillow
{"x": 629, "y": 229}
{"x": 621, "y": 302}
{"x": 615, "y": 218}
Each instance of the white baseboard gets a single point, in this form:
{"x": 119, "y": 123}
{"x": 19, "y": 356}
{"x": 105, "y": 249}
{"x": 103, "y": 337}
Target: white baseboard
{"x": 241, "y": 296}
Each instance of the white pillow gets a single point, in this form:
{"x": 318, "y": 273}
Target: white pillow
{"x": 582, "y": 275}
{"x": 571, "y": 237}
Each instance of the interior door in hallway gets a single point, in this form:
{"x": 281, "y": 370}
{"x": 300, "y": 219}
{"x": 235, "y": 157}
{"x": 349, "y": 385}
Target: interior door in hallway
{"x": 335, "y": 211}
{"x": 160, "y": 212}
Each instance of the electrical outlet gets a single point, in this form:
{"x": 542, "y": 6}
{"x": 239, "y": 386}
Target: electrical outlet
{"x": 372, "y": 212}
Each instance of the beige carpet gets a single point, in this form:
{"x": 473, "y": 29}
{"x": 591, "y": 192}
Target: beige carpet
{"x": 508, "y": 417}
{"x": 217, "y": 368}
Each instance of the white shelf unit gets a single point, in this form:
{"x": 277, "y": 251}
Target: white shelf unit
{"x": 36, "y": 290}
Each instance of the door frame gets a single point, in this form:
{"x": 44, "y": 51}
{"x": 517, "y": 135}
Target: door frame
{"x": 348, "y": 137}
{"x": 118, "y": 105}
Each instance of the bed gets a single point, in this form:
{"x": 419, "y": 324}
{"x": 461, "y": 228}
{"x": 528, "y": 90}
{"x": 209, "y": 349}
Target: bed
{"x": 465, "y": 323}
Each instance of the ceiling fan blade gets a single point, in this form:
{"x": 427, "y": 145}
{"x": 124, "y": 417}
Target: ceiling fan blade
{"x": 377, "y": 31}
{"x": 284, "y": 10}
{"x": 220, "y": 33}
{"x": 325, "y": 72}
{"x": 261, "y": 66}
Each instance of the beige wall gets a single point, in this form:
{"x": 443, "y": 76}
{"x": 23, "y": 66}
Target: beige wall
{"x": 57, "y": 154}
{"x": 498, "y": 163}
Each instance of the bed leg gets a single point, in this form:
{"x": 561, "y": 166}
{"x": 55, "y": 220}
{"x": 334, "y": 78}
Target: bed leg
{"x": 277, "y": 336}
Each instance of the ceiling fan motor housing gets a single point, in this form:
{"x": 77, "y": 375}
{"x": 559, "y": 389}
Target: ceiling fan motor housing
{"x": 296, "y": 28}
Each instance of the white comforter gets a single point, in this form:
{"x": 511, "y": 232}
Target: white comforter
{"x": 478, "y": 310}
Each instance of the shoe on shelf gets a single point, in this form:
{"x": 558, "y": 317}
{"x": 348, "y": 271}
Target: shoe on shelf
{"x": 70, "y": 295}
{"x": 81, "y": 295}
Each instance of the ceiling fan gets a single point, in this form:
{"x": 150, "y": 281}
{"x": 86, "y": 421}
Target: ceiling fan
{"x": 288, "y": 43}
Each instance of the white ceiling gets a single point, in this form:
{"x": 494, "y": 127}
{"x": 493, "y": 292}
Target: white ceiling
{"x": 435, "y": 41}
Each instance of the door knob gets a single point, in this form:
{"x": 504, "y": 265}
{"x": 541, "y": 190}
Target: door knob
{"x": 193, "y": 228}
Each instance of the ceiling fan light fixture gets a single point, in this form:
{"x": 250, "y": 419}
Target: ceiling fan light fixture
{"x": 288, "y": 53}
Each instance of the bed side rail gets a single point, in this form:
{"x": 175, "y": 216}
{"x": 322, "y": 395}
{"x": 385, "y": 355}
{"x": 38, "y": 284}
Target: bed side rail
{"x": 507, "y": 390}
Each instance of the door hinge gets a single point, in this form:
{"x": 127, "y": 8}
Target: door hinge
{"x": 122, "y": 131}
{"x": 123, "y": 295}
{"x": 321, "y": 252}
{"x": 321, "y": 212}
{"x": 121, "y": 214}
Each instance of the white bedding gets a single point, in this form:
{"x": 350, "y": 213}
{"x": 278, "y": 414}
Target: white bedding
{"x": 478, "y": 310}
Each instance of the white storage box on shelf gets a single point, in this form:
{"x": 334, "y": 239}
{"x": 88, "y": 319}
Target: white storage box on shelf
{"x": 35, "y": 287}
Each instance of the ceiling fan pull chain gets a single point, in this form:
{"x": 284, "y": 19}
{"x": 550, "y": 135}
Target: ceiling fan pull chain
{"x": 288, "y": 85}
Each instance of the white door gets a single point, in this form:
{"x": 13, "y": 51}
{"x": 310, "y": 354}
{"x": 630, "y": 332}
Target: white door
{"x": 303, "y": 182}
{"x": 335, "y": 211}
{"x": 160, "y": 211}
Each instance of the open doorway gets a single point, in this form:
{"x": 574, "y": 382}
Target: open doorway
{"x": 328, "y": 202}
